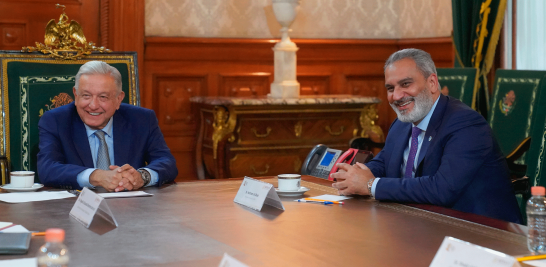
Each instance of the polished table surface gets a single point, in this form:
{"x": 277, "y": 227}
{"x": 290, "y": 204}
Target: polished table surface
{"x": 195, "y": 223}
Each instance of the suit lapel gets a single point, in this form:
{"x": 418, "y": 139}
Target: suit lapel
{"x": 398, "y": 150}
{"x": 121, "y": 146}
{"x": 81, "y": 142}
{"x": 432, "y": 127}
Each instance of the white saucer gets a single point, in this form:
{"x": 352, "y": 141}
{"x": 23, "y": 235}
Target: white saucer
{"x": 10, "y": 188}
{"x": 297, "y": 193}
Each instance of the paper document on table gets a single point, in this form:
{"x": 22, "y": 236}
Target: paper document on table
{"x": 125, "y": 194}
{"x": 34, "y": 196}
{"x": 330, "y": 197}
{"x": 28, "y": 262}
{"x": 537, "y": 263}
{"x": 16, "y": 228}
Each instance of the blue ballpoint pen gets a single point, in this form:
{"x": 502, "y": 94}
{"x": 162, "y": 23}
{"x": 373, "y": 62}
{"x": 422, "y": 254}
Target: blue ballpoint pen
{"x": 312, "y": 201}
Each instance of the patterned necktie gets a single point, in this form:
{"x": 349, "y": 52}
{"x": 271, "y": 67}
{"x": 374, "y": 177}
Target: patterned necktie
{"x": 413, "y": 150}
{"x": 103, "y": 159}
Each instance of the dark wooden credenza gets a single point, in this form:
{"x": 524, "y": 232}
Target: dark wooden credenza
{"x": 261, "y": 136}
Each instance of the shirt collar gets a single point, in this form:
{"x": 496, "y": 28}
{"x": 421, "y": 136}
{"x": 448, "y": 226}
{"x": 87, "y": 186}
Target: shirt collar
{"x": 107, "y": 129}
{"x": 424, "y": 123}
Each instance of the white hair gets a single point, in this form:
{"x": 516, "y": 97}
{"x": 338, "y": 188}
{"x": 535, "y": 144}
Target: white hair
{"x": 99, "y": 67}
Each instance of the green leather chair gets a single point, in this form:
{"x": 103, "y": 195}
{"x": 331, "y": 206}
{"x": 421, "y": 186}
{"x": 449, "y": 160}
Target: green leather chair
{"x": 516, "y": 108}
{"x": 459, "y": 83}
{"x": 535, "y": 161}
{"x": 517, "y": 116}
{"x": 33, "y": 83}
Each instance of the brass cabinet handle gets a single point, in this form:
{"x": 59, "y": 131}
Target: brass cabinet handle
{"x": 341, "y": 129}
{"x": 268, "y": 131}
{"x": 262, "y": 172}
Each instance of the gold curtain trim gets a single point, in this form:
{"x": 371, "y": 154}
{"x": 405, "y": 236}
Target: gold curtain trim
{"x": 481, "y": 30}
{"x": 476, "y": 86}
{"x": 489, "y": 56}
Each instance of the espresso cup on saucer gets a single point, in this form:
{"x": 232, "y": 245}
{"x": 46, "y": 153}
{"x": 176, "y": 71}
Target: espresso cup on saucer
{"x": 22, "y": 179}
{"x": 289, "y": 182}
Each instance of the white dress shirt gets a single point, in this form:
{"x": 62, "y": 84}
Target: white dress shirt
{"x": 423, "y": 125}
{"x": 83, "y": 177}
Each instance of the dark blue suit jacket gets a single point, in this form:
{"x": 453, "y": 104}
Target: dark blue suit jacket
{"x": 460, "y": 165}
{"x": 65, "y": 152}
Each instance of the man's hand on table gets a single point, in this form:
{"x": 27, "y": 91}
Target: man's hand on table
{"x": 352, "y": 179}
{"x": 117, "y": 178}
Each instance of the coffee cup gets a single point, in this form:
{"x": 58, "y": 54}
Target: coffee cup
{"x": 289, "y": 182}
{"x": 22, "y": 179}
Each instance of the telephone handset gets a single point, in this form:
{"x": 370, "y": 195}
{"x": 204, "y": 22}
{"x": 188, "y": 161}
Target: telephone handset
{"x": 321, "y": 161}
{"x": 352, "y": 156}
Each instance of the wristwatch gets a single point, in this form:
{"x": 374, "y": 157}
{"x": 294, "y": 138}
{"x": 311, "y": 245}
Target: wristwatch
{"x": 146, "y": 177}
{"x": 370, "y": 184}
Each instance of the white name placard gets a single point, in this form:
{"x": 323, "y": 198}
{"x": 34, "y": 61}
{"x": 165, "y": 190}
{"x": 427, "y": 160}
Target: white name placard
{"x": 255, "y": 193}
{"x": 457, "y": 253}
{"x": 88, "y": 205}
{"x": 228, "y": 261}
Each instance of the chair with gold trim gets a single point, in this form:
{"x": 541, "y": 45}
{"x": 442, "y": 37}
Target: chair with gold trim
{"x": 32, "y": 83}
{"x": 459, "y": 83}
{"x": 516, "y": 109}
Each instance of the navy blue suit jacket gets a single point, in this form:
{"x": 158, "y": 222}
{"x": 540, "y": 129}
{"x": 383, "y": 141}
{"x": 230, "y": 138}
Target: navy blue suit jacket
{"x": 65, "y": 152}
{"x": 460, "y": 165}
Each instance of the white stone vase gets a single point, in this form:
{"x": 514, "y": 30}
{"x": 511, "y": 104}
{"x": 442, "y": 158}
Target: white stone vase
{"x": 285, "y": 84}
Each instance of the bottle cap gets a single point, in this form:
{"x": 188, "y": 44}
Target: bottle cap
{"x": 54, "y": 235}
{"x": 538, "y": 191}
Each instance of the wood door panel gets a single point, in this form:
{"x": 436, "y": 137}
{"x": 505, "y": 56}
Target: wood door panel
{"x": 314, "y": 85}
{"x": 173, "y": 103}
{"x": 251, "y": 85}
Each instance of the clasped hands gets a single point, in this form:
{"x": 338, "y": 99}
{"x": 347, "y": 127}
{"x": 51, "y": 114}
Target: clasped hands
{"x": 352, "y": 179}
{"x": 117, "y": 178}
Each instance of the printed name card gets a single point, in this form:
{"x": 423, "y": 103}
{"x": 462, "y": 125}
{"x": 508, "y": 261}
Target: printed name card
{"x": 255, "y": 193}
{"x": 228, "y": 261}
{"x": 88, "y": 205}
{"x": 457, "y": 253}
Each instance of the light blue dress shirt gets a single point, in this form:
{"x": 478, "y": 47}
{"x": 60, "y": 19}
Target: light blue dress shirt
{"x": 423, "y": 125}
{"x": 83, "y": 177}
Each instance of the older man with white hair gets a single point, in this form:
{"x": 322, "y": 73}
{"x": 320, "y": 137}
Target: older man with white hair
{"x": 99, "y": 141}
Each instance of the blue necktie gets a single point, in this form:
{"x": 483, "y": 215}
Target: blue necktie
{"x": 413, "y": 151}
{"x": 103, "y": 159}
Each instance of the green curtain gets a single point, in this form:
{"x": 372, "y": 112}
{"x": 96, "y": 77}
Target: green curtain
{"x": 476, "y": 30}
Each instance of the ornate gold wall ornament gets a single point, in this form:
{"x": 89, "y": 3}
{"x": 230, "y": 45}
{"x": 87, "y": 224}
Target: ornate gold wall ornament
{"x": 62, "y": 38}
{"x": 298, "y": 128}
{"x": 223, "y": 125}
{"x": 368, "y": 117}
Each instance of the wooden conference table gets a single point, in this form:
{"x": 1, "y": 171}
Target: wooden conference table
{"x": 195, "y": 223}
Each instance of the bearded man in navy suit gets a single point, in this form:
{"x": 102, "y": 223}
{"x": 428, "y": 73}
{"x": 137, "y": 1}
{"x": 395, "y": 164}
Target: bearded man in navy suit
{"x": 438, "y": 151}
{"x": 98, "y": 141}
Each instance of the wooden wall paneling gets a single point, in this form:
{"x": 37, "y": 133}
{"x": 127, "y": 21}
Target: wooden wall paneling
{"x": 23, "y": 22}
{"x": 245, "y": 84}
{"x": 173, "y": 103}
{"x": 314, "y": 84}
{"x": 14, "y": 34}
{"x": 122, "y": 29}
{"x": 176, "y": 119}
{"x": 440, "y": 49}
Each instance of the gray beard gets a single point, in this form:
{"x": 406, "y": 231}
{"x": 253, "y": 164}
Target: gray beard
{"x": 423, "y": 102}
